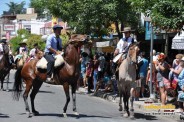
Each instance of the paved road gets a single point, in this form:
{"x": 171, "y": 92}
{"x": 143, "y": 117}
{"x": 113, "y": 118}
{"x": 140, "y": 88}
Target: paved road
{"x": 50, "y": 101}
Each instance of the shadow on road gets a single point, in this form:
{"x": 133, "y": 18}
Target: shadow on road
{"x": 50, "y": 92}
{"x": 72, "y": 115}
{"x": 142, "y": 116}
{"x": 4, "y": 116}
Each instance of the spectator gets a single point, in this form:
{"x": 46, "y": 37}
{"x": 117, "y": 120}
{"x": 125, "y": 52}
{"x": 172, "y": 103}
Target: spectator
{"x": 148, "y": 79}
{"x": 89, "y": 75}
{"x": 95, "y": 71}
{"x": 143, "y": 72}
{"x": 162, "y": 68}
{"x": 180, "y": 81}
{"x": 83, "y": 61}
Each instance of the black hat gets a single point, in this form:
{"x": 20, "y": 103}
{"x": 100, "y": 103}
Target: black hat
{"x": 57, "y": 26}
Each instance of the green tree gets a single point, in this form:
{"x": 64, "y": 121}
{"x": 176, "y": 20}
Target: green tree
{"x": 33, "y": 39}
{"x": 39, "y": 6}
{"x": 166, "y": 14}
{"x": 16, "y": 8}
{"x": 92, "y": 16}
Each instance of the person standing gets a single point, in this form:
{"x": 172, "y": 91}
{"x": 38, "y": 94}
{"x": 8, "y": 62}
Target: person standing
{"x": 53, "y": 47}
{"x": 143, "y": 72}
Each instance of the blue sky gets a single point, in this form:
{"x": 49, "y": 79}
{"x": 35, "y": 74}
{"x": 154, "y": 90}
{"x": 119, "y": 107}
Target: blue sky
{"x": 4, "y": 7}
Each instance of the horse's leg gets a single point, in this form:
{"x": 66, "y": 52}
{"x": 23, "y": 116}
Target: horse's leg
{"x": 7, "y": 81}
{"x": 66, "y": 89}
{"x": 120, "y": 100}
{"x": 131, "y": 101}
{"x": 25, "y": 96}
{"x": 36, "y": 86}
{"x": 125, "y": 114}
{"x": 74, "y": 98}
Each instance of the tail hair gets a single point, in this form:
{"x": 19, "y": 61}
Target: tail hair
{"x": 17, "y": 87}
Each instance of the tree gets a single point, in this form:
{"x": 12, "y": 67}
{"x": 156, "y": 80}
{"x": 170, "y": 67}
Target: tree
{"x": 16, "y": 8}
{"x": 39, "y": 6}
{"x": 92, "y": 16}
{"x": 166, "y": 14}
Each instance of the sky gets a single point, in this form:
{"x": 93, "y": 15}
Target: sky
{"x": 4, "y": 7}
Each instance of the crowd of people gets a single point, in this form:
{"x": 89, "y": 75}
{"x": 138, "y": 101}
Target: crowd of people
{"x": 97, "y": 72}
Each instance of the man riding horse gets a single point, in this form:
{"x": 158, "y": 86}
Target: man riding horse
{"x": 123, "y": 45}
{"x": 2, "y": 43}
{"x": 53, "y": 47}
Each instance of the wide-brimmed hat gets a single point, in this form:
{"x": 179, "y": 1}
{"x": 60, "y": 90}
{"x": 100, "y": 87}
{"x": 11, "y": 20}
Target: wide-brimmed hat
{"x": 57, "y": 26}
{"x": 161, "y": 56}
{"x": 127, "y": 29}
{"x": 4, "y": 38}
{"x": 23, "y": 42}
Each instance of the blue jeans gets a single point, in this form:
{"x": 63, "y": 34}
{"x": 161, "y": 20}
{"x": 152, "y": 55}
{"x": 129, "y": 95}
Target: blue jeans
{"x": 95, "y": 74}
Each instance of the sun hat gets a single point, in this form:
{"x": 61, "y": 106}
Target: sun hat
{"x": 23, "y": 42}
{"x": 127, "y": 29}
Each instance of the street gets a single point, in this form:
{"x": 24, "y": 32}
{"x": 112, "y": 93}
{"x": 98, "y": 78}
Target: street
{"x": 50, "y": 101}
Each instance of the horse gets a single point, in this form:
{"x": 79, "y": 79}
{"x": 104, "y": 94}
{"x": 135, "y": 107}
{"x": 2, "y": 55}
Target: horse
{"x": 5, "y": 66}
{"x": 127, "y": 78}
{"x": 65, "y": 74}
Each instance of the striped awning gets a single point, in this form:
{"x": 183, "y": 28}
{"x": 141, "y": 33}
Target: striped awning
{"x": 178, "y": 41}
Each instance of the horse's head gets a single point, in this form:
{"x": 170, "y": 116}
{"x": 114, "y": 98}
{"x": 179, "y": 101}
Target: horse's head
{"x": 133, "y": 51}
{"x": 39, "y": 54}
{"x": 79, "y": 39}
{"x": 6, "y": 49}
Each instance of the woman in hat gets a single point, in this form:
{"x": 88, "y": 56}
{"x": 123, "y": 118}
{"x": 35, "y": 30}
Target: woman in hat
{"x": 162, "y": 68}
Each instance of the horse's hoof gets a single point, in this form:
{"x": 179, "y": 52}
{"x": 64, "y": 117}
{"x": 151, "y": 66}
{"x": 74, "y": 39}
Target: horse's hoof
{"x": 35, "y": 113}
{"x": 120, "y": 108}
{"x": 125, "y": 115}
{"x": 76, "y": 113}
{"x": 64, "y": 115}
{"x": 7, "y": 90}
{"x": 132, "y": 117}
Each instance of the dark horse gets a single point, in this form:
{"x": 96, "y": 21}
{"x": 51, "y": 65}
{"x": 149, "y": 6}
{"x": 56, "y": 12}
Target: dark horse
{"x": 127, "y": 79}
{"x": 5, "y": 66}
{"x": 66, "y": 74}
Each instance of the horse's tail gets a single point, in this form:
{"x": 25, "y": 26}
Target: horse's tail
{"x": 17, "y": 87}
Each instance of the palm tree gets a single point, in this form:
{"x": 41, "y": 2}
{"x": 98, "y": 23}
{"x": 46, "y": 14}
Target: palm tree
{"x": 16, "y": 8}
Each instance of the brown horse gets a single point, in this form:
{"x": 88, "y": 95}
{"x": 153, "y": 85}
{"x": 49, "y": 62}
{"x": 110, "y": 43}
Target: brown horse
{"x": 65, "y": 74}
{"x": 127, "y": 78}
{"x": 5, "y": 66}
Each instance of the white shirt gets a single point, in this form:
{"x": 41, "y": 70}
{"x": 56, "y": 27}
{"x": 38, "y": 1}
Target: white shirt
{"x": 123, "y": 45}
{"x": 32, "y": 52}
{"x": 1, "y": 48}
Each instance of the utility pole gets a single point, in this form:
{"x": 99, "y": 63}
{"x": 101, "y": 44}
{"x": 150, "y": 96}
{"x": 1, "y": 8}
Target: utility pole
{"x": 152, "y": 95}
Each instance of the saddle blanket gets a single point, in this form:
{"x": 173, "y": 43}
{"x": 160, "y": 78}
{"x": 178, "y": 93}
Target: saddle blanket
{"x": 19, "y": 56}
{"x": 42, "y": 63}
{"x": 116, "y": 58}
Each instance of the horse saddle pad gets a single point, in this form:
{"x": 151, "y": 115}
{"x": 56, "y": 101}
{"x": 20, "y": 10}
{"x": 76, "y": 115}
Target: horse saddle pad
{"x": 42, "y": 63}
{"x": 117, "y": 57}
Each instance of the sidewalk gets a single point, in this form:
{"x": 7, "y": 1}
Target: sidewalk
{"x": 137, "y": 104}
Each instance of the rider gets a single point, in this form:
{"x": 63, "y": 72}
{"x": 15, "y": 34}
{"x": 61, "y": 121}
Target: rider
{"x": 21, "y": 50}
{"x": 124, "y": 43}
{"x": 33, "y": 51}
{"x": 3, "y": 42}
{"x": 53, "y": 47}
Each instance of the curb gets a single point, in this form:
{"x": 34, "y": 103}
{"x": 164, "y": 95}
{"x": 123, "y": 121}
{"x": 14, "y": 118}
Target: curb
{"x": 137, "y": 104}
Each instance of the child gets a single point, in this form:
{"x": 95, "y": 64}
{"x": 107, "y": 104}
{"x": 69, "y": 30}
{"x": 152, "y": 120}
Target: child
{"x": 148, "y": 79}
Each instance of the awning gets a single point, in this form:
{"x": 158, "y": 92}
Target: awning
{"x": 178, "y": 41}
{"x": 103, "y": 44}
